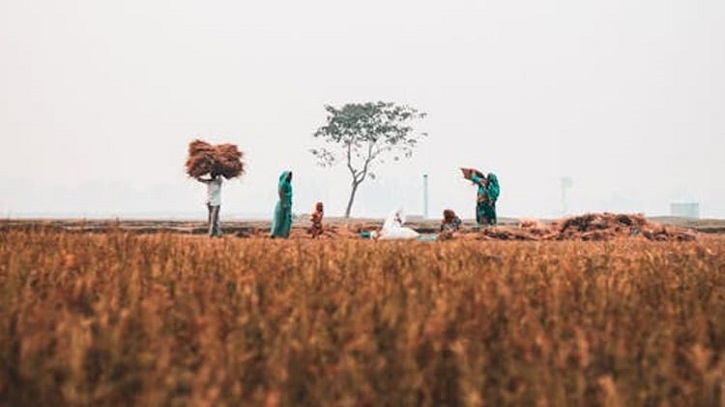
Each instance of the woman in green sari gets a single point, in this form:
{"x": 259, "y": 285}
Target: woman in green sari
{"x": 282, "y": 222}
{"x": 488, "y": 191}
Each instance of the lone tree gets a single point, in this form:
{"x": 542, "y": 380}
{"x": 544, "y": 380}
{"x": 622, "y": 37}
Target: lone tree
{"x": 362, "y": 133}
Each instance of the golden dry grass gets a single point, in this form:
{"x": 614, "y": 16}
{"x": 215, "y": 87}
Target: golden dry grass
{"x": 124, "y": 319}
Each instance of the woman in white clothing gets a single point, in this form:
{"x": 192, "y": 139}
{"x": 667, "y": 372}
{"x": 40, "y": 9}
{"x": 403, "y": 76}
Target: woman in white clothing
{"x": 393, "y": 227}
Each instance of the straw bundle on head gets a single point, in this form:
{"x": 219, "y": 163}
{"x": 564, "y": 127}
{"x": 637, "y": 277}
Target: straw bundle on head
{"x": 204, "y": 158}
{"x": 229, "y": 161}
{"x": 468, "y": 173}
{"x": 201, "y": 159}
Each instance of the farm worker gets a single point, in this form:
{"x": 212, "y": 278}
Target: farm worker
{"x": 316, "y": 218}
{"x": 393, "y": 227}
{"x": 451, "y": 222}
{"x": 486, "y": 197}
{"x": 213, "y": 202}
{"x": 282, "y": 222}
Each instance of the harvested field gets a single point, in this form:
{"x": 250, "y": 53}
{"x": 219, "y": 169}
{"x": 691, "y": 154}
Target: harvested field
{"x": 120, "y": 318}
{"x": 603, "y": 226}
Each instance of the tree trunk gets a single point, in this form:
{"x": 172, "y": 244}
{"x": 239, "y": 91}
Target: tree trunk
{"x": 352, "y": 198}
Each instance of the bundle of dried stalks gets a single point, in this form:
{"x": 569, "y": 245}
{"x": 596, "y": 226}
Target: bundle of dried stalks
{"x": 468, "y": 173}
{"x": 531, "y": 224}
{"x": 204, "y": 158}
{"x": 601, "y": 221}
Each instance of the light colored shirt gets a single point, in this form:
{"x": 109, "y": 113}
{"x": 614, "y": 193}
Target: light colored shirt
{"x": 214, "y": 191}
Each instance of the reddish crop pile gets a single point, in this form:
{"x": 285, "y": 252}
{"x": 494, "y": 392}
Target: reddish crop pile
{"x": 592, "y": 226}
{"x": 204, "y": 158}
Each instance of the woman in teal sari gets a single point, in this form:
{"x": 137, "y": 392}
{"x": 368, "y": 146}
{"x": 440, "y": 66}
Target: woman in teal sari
{"x": 282, "y": 222}
{"x": 488, "y": 191}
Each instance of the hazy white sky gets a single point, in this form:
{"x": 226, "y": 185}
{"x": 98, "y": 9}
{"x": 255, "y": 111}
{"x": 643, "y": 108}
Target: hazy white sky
{"x": 99, "y": 99}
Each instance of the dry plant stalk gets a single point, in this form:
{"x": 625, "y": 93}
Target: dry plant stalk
{"x": 124, "y": 319}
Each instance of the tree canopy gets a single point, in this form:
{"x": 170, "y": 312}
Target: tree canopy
{"x": 361, "y": 134}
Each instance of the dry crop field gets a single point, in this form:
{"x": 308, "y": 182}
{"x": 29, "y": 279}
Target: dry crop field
{"x": 117, "y": 318}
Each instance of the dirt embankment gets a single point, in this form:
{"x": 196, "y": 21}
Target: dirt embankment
{"x": 593, "y": 226}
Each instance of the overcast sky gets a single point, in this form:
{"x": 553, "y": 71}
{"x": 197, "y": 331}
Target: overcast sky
{"x": 99, "y": 100}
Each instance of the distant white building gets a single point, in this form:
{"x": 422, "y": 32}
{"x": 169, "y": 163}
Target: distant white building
{"x": 685, "y": 209}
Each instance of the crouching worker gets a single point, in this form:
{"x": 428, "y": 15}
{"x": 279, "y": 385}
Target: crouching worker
{"x": 315, "y": 229}
{"x": 450, "y": 224}
{"x": 393, "y": 228}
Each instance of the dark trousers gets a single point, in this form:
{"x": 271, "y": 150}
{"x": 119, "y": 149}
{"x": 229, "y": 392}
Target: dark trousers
{"x": 214, "y": 228}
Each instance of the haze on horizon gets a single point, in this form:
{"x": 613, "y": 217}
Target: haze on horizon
{"x": 99, "y": 100}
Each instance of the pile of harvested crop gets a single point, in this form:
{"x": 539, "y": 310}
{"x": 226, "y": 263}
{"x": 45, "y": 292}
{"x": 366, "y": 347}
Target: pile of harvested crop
{"x": 205, "y": 158}
{"x": 591, "y": 222}
{"x": 591, "y": 226}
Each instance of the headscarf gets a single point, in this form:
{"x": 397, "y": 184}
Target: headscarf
{"x": 285, "y": 187}
{"x": 449, "y": 215}
{"x": 390, "y": 222}
{"x": 393, "y": 229}
{"x": 492, "y": 187}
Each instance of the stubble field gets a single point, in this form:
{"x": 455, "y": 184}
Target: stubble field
{"x": 165, "y": 319}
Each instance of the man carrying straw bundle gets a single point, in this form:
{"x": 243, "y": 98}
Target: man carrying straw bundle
{"x": 213, "y": 202}
{"x": 224, "y": 160}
